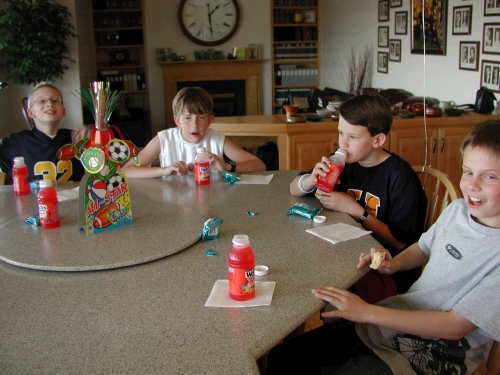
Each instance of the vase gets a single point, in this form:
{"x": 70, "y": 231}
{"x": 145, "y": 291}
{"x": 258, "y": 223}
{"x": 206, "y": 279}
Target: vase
{"x": 291, "y": 109}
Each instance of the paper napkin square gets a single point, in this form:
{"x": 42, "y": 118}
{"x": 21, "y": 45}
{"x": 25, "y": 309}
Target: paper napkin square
{"x": 219, "y": 297}
{"x": 64, "y": 195}
{"x": 338, "y": 232}
{"x": 255, "y": 179}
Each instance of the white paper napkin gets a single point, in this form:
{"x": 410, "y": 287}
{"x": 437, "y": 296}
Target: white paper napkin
{"x": 255, "y": 179}
{"x": 219, "y": 297}
{"x": 338, "y": 232}
{"x": 64, "y": 195}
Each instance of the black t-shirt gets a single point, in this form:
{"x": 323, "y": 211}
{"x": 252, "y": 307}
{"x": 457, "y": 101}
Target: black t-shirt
{"x": 39, "y": 152}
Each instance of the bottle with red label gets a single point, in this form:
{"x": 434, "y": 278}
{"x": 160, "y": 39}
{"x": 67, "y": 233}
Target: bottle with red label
{"x": 48, "y": 208}
{"x": 240, "y": 265}
{"x": 337, "y": 164}
{"x": 201, "y": 167}
{"x": 20, "y": 177}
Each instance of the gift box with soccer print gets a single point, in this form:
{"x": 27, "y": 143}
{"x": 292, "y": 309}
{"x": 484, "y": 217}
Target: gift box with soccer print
{"x": 104, "y": 198}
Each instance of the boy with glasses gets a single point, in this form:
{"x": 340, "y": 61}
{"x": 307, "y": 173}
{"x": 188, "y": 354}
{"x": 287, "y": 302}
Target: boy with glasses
{"x": 39, "y": 145}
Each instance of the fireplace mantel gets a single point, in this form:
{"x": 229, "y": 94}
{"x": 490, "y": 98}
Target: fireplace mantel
{"x": 212, "y": 70}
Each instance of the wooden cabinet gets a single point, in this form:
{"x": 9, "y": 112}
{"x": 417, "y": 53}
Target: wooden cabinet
{"x": 444, "y": 138}
{"x": 120, "y": 58}
{"x": 295, "y": 50}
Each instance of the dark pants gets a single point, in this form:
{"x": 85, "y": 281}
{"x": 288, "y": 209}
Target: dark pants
{"x": 334, "y": 348}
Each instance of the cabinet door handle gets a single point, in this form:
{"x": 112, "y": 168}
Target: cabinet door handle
{"x": 434, "y": 147}
{"x": 442, "y": 146}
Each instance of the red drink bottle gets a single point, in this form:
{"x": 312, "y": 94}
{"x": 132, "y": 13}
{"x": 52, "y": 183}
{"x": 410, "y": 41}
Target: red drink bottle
{"x": 20, "y": 177}
{"x": 240, "y": 267}
{"x": 201, "y": 167}
{"x": 337, "y": 164}
{"x": 48, "y": 209}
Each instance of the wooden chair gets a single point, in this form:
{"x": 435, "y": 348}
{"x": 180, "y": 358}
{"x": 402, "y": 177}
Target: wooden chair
{"x": 24, "y": 110}
{"x": 2, "y": 178}
{"x": 440, "y": 192}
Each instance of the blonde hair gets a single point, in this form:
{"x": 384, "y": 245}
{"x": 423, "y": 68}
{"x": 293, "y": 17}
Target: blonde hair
{"x": 39, "y": 86}
{"x": 193, "y": 99}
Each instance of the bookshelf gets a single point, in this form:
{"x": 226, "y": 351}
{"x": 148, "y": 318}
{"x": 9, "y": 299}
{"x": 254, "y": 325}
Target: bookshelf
{"x": 120, "y": 58}
{"x": 295, "y": 50}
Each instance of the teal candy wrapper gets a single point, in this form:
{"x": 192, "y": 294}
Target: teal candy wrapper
{"x": 230, "y": 177}
{"x": 305, "y": 210}
{"x": 211, "y": 229}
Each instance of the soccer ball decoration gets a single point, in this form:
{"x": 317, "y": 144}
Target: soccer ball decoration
{"x": 117, "y": 150}
{"x": 114, "y": 181}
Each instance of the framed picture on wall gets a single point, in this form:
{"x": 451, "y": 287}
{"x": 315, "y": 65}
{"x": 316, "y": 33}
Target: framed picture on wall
{"x": 396, "y": 3}
{"x": 462, "y": 17}
{"x": 490, "y": 73}
{"x": 383, "y": 36}
{"x": 395, "y": 50}
{"x": 491, "y": 8}
{"x": 469, "y": 56}
{"x": 383, "y": 62}
{"x": 491, "y": 38}
{"x": 383, "y": 10}
{"x": 401, "y": 23}
{"x": 434, "y": 28}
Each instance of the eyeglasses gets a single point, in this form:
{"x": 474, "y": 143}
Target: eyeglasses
{"x": 44, "y": 101}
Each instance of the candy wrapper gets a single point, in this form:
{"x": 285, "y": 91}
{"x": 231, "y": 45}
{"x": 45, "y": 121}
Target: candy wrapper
{"x": 211, "y": 229}
{"x": 305, "y": 210}
{"x": 230, "y": 177}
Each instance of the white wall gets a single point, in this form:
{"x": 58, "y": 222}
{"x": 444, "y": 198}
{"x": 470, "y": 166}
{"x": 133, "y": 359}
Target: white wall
{"x": 345, "y": 23}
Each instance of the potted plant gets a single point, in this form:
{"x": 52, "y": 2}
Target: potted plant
{"x": 33, "y": 37}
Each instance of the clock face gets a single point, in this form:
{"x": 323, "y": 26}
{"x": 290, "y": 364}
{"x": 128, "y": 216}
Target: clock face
{"x": 209, "y": 22}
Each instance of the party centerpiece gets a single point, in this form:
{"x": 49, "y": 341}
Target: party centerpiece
{"x": 104, "y": 194}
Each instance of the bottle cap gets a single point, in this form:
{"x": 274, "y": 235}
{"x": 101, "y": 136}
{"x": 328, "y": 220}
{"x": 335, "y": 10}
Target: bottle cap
{"x": 45, "y": 183}
{"x": 241, "y": 240}
{"x": 261, "y": 270}
{"x": 200, "y": 149}
{"x": 319, "y": 219}
{"x": 18, "y": 161}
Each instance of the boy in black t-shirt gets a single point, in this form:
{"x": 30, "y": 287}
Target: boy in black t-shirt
{"x": 377, "y": 188}
{"x": 39, "y": 145}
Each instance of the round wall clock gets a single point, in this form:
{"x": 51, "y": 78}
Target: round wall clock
{"x": 209, "y": 22}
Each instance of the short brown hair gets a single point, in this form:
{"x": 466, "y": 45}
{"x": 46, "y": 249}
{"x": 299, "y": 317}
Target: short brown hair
{"x": 39, "y": 86}
{"x": 194, "y": 100}
{"x": 484, "y": 135}
{"x": 370, "y": 110}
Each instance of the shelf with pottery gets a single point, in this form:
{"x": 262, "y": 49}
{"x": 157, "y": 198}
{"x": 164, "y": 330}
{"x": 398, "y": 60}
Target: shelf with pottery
{"x": 301, "y": 145}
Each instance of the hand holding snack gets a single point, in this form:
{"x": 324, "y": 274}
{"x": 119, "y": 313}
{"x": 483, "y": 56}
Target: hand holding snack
{"x": 375, "y": 259}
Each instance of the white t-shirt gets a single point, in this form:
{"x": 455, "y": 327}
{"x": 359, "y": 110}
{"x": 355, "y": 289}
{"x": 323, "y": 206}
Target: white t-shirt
{"x": 173, "y": 148}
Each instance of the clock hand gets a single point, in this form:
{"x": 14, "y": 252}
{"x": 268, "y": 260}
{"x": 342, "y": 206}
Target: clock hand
{"x": 217, "y": 7}
{"x": 210, "y": 18}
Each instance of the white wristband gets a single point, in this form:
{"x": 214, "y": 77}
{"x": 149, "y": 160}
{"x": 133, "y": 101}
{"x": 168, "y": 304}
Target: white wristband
{"x": 300, "y": 185}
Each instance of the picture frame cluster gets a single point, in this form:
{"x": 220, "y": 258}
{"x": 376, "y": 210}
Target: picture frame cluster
{"x": 400, "y": 25}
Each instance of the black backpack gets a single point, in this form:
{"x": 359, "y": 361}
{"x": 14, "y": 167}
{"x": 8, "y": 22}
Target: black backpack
{"x": 484, "y": 101}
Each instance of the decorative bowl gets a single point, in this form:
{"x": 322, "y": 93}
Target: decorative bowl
{"x": 296, "y": 118}
{"x": 454, "y": 112}
{"x": 314, "y": 118}
{"x": 407, "y": 114}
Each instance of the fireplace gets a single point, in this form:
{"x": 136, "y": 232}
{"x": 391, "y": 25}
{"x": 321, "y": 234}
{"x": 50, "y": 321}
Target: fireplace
{"x": 228, "y": 96}
{"x": 219, "y": 72}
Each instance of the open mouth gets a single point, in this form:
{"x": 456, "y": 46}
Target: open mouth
{"x": 475, "y": 202}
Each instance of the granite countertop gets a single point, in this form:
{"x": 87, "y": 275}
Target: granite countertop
{"x": 150, "y": 318}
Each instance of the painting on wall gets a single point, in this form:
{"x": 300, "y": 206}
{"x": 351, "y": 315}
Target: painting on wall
{"x": 396, "y": 3}
{"x": 395, "y": 50}
{"x": 469, "y": 56}
{"x": 462, "y": 17}
{"x": 491, "y": 8}
{"x": 401, "y": 23}
{"x": 429, "y": 27}
{"x": 383, "y": 10}
{"x": 383, "y": 62}
{"x": 490, "y": 73}
{"x": 383, "y": 36}
{"x": 491, "y": 38}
